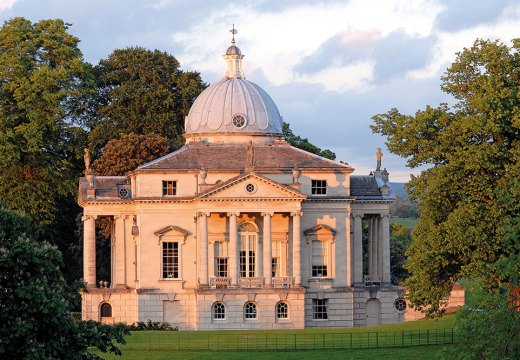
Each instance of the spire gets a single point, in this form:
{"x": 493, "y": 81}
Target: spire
{"x": 233, "y": 58}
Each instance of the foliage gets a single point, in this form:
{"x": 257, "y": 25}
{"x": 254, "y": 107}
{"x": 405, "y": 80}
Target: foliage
{"x": 143, "y": 92}
{"x": 35, "y": 301}
{"x": 488, "y": 328}
{"x": 102, "y": 336}
{"x": 304, "y": 144}
{"x": 400, "y": 240}
{"x": 402, "y": 208}
{"x": 151, "y": 325}
{"x": 125, "y": 154}
{"x": 469, "y": 210}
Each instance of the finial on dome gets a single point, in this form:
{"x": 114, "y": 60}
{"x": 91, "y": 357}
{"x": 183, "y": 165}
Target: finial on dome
{"x": 234, "y": 58}
{"x": 233, "y": 31}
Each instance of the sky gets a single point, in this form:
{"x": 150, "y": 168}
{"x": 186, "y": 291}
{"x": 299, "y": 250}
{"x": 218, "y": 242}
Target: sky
{"x": 328, "y": 65}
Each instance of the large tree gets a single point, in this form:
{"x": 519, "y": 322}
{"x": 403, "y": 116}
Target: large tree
{"x": 469, "y": 194}
{"x": 305, "y": 144}
{"x": 141, "y": 91}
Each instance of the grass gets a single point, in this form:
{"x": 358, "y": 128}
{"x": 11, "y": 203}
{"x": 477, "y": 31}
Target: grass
{"x": 154, "y": 345}
{"x": 409, "y": 223}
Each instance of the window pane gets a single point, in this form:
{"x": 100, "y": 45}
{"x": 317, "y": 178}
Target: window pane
{"x": 169, "y": 187}
{"x": 219, "y": 311}
{"x": 170, "y": 260}
{"x": 318, "y": 187}
{"x": 282, "y": 310}
{"x": 250, "y": 310}
{"x": 319, "y": 309}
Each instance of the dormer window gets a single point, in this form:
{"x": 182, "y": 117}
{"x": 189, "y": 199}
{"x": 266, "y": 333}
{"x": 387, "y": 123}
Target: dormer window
{"x": 319, "y": 187}
{"x": 169, "y": 187}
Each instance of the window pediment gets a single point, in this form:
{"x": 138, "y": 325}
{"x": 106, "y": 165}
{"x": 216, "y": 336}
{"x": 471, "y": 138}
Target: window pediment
{"x": 172, "y": 232}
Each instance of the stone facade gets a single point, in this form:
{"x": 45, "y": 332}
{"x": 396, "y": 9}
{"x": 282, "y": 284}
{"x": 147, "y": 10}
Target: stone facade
{"x": 240, "y": 230}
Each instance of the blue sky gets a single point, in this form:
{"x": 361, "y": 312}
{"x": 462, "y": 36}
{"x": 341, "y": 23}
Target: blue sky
{"x": 329, "y": 65}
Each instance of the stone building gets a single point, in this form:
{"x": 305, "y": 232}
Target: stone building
{"x": 240, "y": 230}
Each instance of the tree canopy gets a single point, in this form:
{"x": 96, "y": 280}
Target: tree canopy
{"x": 469, "y": 194}
{"x": 143, "y": 92}
{"x": 305, "y": 144}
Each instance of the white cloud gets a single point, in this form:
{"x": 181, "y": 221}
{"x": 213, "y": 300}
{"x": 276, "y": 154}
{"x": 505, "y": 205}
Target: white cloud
{"x": 6, "y": 4}
{"x": 277, "y": 41}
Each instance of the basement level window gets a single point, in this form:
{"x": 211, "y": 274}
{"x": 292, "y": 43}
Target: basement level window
{"x": 169, "y": 187}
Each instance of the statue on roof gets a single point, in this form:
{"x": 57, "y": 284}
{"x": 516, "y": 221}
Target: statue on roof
{"x": 86, "y": 159}
{"x": 250, "y": 155}
{"x": 379, "y": 154}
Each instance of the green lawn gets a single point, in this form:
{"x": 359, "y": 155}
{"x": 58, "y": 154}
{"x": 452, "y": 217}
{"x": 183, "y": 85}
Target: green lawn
{"x": 152, "y": 345}
{"x": 409, "y": 223}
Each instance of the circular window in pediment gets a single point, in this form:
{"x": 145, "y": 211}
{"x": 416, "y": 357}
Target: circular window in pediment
{"x": 239, "y": 121}
{"x": 251, "y": 188}
{"x": 123, "y": 193}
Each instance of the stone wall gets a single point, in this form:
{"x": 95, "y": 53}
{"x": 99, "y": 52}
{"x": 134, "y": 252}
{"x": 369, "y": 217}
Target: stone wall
{"x": 123, "y": 303}
{"x": 385, "y": 296}
{"x": 339, "y": 310}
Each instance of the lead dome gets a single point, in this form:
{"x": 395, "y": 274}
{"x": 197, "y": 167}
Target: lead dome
{"x": 233, "y": 107}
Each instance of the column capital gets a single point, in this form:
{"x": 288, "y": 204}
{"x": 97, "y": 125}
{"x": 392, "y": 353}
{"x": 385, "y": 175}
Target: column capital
{"x": 297, "y": 213}
{"x": 116, "y": 217}
{"x": 358, "y": 215}
{"x": 203, "y": 213}
{"x": 264, "y": 214}
{"x": 88, "y": 217}
{"x": 385, "y": 215}
{"x": 229, "y": 214}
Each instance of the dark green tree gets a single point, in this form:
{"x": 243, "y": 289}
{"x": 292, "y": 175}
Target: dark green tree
{"x": 400, "y": 240}
{"x": 304, "y": 144}
{"x": 469, "y": 194}
{"x": 143, "y": 92}
{"x": 36, "y": 302}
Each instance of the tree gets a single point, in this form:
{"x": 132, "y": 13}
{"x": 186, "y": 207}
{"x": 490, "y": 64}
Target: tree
{"x": 469, "y": 212}
{"x": 304, "y": 144}
{"x": 400, "y": 239}
{"x": 36, "y": 302}
{"x": 122, "y": 155}
{"x": 143, "y": 92}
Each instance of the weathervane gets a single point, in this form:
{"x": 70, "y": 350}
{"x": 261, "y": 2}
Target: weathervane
{"x": 233, "y": 31}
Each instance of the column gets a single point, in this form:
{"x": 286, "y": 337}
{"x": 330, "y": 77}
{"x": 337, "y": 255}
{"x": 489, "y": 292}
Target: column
{"x": 268, "y": 248}
{"x": 119, "y": 280}
{"x": 370, "y": 246}
{"x": 296, "y": 261}
{"x": 233, "y": 249}
{"x": 259, "y": 268}
{"x": 89, "y": 250}
{"x": 358, "y": 250}
{"x": 379, "y": 247}
{"x": 203, "y": 248}
{"x": 349, "y": 250}
{"x": 386, "y": 248}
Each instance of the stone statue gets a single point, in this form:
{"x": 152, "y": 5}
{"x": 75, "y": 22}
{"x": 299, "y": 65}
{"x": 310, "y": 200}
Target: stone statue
{"x": 379, "y": 154}
{"x": 250, "y": 154}
{"x": 86, "y": 158}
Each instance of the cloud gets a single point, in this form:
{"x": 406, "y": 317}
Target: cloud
{"x": 6, "y": 4}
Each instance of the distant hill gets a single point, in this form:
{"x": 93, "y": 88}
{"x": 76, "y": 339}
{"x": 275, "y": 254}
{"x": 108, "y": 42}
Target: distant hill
{"x": 398, "y": 189}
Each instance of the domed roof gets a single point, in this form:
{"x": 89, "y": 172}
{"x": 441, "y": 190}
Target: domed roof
{"x": 234, "y": 106}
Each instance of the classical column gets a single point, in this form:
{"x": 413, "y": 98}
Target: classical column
{"x": 268, "y": 248}
{"x": 349, "y": 250}
{"x": 233, "y": 249}
{"x": 203, "y": 248}
{"x": 358, "y": 250}
{"x": 370, "y": 246}
{"x": 120, "y": 252}
{"x": 296, "y": 261}
{"x": 379, "y": 247}
{"x": 386, "y": 248}
{"x": 89, "y": 250}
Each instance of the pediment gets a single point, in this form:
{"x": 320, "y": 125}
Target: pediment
{"x": 172, "y": 231}
{"x": 251, "y": 186}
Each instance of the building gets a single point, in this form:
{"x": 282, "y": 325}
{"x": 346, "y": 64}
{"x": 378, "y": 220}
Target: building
{"x": 239, "y": 230}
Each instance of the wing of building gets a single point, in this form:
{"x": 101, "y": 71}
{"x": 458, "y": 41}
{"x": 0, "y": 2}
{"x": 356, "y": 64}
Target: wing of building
{"x": 240, "y": 230}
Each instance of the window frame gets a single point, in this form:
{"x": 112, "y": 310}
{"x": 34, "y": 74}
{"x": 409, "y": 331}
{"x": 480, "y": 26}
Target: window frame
{"x": 320, "y": 312}
{"x": 101, "y": 308}
{"x": 253, "y": 315}
{"x": 219, "y": 261}
{"x": 318, "y": 187}
{"x": 247, "y": 255}
{"x": 178, "y": 255}
{"x": 215, "y": 314}
{"x": 277, "y": 310}
{"x": 166, "y": 189}
{"x": 325, "y": 263}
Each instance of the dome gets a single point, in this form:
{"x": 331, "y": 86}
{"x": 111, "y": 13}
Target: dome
{"x": 233, "y": 50}
{"x": 234, "y": 106}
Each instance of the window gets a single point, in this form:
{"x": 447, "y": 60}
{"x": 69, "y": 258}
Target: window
{"x": 219, "y": 311}
{"x": 248, "y": 236}
{"x": 170, "y": 260}
{"x": 277, "y": 255}
{"x": 169, "y": 187}
{"x": 106, "y": 310}
{"x": 239, "y": 121}
{"x": 319, "y": 309}
{"x": 221, "y": 259}
{"x": 400, "y": 305}
{"x": 250, "y": 310}
{"x": 319, "y": 187}
{"x": 282, "y": 310}
{"x": 319, "y": 259}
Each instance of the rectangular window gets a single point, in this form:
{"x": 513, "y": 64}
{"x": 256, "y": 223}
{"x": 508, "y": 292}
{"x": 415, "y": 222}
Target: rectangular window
{"x": 170, "y": 260}
{"x": 221, "y": 259}
{"x": 319, "y": 187}
{"x": 319, "y": 309}
{"x": 169, "y": 187}
{"x": 275, "y": 263}
{"x": 319, "y": 259}
{"x": 247, "y": 255}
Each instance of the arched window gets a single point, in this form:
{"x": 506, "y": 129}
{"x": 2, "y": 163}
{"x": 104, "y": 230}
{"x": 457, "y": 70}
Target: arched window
{"x": 282, "y": 310}
{"x": 248, "y": 233}
{"x": 219, "y": 311}
{"x": 250, "y": 310}
{"x": 106, "y": 310}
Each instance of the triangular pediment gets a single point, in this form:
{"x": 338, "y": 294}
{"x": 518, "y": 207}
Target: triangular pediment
{"x": 251, "y": 186}
{"x": 172, "y": 230}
